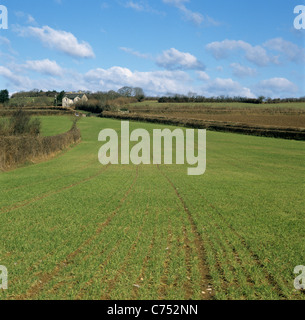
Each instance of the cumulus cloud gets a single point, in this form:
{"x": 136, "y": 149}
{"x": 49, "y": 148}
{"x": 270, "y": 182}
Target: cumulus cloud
{"x": 153, "y": 82}
{"x": 242, "y": 71}
{"x": 45, "y": 66}
{"x": 59, "y": 40}
{"x": 17, "y": 80}
{"x": 226, "y": 87}
{"x": 202, "y": 75}
{"x": 276, "y": 87}
{"x": 255, "y": 54}
{"x": 173, "y": 59}
{"x": 291, "y": 51}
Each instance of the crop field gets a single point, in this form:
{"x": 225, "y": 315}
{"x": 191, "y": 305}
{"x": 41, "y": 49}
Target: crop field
{"x": 281, "y": 115}
{"x": 153, "y": 104}
{"x": 74, "y": 229}
{"x": 53, "y": 125}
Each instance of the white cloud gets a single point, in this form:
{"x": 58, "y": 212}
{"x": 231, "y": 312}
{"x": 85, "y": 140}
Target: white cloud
{"x": 5, "y": 41}
{"x": 17, "y": 80}
{"x": 45, "y": 66}
{"x": 276, "y": 87}
{"x": 202, "y": 75}
{"x": 153, "y": 82}
{"x": 242, "y": 71}
{"x": 59, "y": 40}
{"x": 290, "y": 50}
{"x": 189, "y": 15}
{"x": 5, "y": 44}
{"x": 135, "y": 5}
{"x": 226, "y": 87}
{"x": 173, "y": 59}
{"x": 255, "y": 54}
{"x": 195, "y": 17}
{"x": 28, "y": 18}
{"x": 175, "y": 2}
{"x": 141, "y": 6}
{"x": 31, "y": 20}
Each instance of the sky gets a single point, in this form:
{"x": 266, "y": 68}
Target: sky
{"x": 243, "y": 48}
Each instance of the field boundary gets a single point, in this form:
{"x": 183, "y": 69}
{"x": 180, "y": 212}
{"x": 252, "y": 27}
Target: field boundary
{"x": 37, "y": 111}
{"x": 15, "y": 151}
{"x": 263, "y": 131}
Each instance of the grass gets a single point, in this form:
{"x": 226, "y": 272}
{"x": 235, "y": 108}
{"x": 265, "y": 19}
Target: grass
{"x": 73, "y": 229}
{"x": 53, "y": 125}
{"x": 32, "y": 101}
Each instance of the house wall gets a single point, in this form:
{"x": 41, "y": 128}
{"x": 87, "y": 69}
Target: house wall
{"x": 84, "y": 98}
{"x": 66, "y": 102}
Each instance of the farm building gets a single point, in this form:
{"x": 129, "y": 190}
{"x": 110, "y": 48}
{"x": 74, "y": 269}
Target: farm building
{"x": 72, "y": 98}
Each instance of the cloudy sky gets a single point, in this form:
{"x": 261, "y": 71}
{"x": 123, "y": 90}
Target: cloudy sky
{"x": 220, "y": 47}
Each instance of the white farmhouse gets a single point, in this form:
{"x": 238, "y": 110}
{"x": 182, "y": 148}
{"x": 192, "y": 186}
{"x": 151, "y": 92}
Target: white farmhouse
{"x": 72, "y": 98}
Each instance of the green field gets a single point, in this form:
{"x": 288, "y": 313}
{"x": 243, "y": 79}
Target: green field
{"x": 74, "y": 229}
{"x": 53, "y": 125}
{"x": 30, "y": 101}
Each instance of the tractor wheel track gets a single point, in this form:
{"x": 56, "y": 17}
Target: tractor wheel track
{"x": 205, "y": 284}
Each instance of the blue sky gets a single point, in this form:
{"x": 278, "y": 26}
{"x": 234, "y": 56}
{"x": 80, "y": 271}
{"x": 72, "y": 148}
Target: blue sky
{"x": 219, "y": 47}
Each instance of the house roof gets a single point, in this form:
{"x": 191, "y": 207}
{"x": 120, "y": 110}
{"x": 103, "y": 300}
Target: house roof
{"x": 73, "y": 95}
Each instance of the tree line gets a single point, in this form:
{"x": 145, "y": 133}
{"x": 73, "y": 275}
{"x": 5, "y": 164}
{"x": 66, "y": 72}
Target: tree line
{"x": 196, "y": 99}
{"x": 101, "y": 98}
